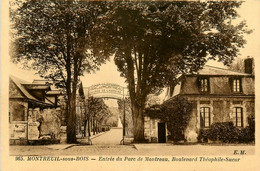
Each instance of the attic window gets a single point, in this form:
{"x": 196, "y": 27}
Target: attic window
{"x": 236, "y": 85}
{"x": 204, "y": 85}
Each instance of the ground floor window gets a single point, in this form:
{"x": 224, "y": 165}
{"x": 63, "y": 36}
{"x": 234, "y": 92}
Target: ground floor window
{"x": 238, "y": 116}
{"x": 205, "y": 117}
{"x": 17, "y": 112}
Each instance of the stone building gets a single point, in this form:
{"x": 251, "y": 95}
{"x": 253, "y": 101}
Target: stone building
{"x": 217, "y": 95}
{"x": 155, "y": 130}
{"x": 33, "y": 111}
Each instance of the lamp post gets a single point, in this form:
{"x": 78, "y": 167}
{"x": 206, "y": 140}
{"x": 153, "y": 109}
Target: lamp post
{"x": 123, "y": 115}
{"x": 123, "y": 139}
{"x": 88, "y": 120}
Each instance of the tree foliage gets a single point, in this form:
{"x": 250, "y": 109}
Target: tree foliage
{"x": 54, "y": 38}
{"x": 97, "y": 111}
{"x": 226, "y": 132}
{"x": 155, "y": 42}
{"x": 128, "y": 115}
{"x": 239, "y": 65}
{"x": 175, "y": 113}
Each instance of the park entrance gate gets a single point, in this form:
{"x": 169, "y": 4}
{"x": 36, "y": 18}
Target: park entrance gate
{"x": 110, "y": 91}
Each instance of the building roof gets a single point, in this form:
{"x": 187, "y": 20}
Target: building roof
{"x": 46, "y": 83}
{"x": 19, "y": 83}
{"x": 53, "y": 92}
{"x": 37, "y": 86}
{"x": 208, "y": 71}
{"x": 35, "y": 81}
{"x": 216, "y": 71}
{"x": 24, "y": 86}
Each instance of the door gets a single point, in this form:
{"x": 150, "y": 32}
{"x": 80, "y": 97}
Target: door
{"x": 161, "y": 133}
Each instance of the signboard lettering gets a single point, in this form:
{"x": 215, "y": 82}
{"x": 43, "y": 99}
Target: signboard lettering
{"x": 107, "y": 90}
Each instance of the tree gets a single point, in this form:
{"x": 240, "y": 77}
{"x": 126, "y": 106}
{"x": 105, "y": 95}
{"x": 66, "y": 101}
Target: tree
{"x": 97, "y": 113}
{"x": 155, "y": 42}
{"x": 128, "y": 114}
{"x": 102, "y": 115}
{"x": 54, "y": 38}
{"x": 239, "y": 65}
{"x": 152, "y": 100}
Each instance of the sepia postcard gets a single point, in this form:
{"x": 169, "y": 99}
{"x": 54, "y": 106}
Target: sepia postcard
{"x": 129, "y": 85}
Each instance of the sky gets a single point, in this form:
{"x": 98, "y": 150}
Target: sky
{"x": 108, "y": 73}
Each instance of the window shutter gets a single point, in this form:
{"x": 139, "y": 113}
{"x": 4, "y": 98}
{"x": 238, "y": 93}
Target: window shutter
{"x": 240, "y": 84}
{"x": 199, "y": 84}
{"x": 242, "y": 118}
{"x": 209, "y": 117}
{"x": 231, "y": 84}
{"x": 201, "y": 120}
{"x": 208, "y": 84}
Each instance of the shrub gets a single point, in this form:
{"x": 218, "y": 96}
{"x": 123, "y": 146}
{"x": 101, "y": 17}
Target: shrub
{"x": 221, "y": 131}
{"x": 203, "y": 135}
{"x": 227, "y": 133}
{"x": 248, "y": 133}
{"x": 176, "y": 114}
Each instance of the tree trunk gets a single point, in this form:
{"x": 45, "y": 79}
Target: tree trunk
{"x": 138, "y": 122}
{"x": 89, "y": 134}
{"x": 71, "y": 114}
{"x": 93, "y": 125}
{"x": 71, "y": 124}
{"x": 71, "y": 135}
{"x": 85, "y": 127}
{"x": 97, "y": 131}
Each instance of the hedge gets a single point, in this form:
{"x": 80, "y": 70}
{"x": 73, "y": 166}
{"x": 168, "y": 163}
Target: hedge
{"x": 227, "y": 133}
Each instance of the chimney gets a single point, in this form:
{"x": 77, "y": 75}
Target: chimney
{"x": 249, "y": 65}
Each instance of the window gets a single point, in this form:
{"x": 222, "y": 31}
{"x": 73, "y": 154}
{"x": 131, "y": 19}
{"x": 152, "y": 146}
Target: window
{"x": 205, "y": 117}
{"x": 237, "y": 85}
{"x": 238, "y": 116}
{"x": 204, "y": 85}
{"x": 18, "y": 113}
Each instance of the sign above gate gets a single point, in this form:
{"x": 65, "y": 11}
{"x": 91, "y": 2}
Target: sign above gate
{"x": 107, "y": 90}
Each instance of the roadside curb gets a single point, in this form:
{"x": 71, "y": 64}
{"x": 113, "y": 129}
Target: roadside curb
{"x": 85, "y": 140}
{"x": 60, "y": 147}
{"x": 151, "y": 146}
{"x": 97, "y": 135}
{"x": 67, "y": 146}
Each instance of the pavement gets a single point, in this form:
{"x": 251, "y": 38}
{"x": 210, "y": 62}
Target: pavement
{"x": 112, "y": 137}
{"x": 194, "y": 149}
{"x": 134, "y": 149}
{"x": 97, "y": 139}
{"x": 108, "y": 143}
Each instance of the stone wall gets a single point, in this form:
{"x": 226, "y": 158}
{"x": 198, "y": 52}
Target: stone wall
{"x": 191, "y": 132}
{"x": 50, "y": 123}
{"x": 18, "y": 130}
{"x": 220, "y": 111}
{"x": 40, "y": 124}
{"x": 18, "y": 121}
{"x": 250, "y": 106}
{"x": 151, "y": 129}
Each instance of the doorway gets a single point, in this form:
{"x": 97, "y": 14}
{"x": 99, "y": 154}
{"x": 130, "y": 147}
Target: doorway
{"x": 161, "y": 133}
